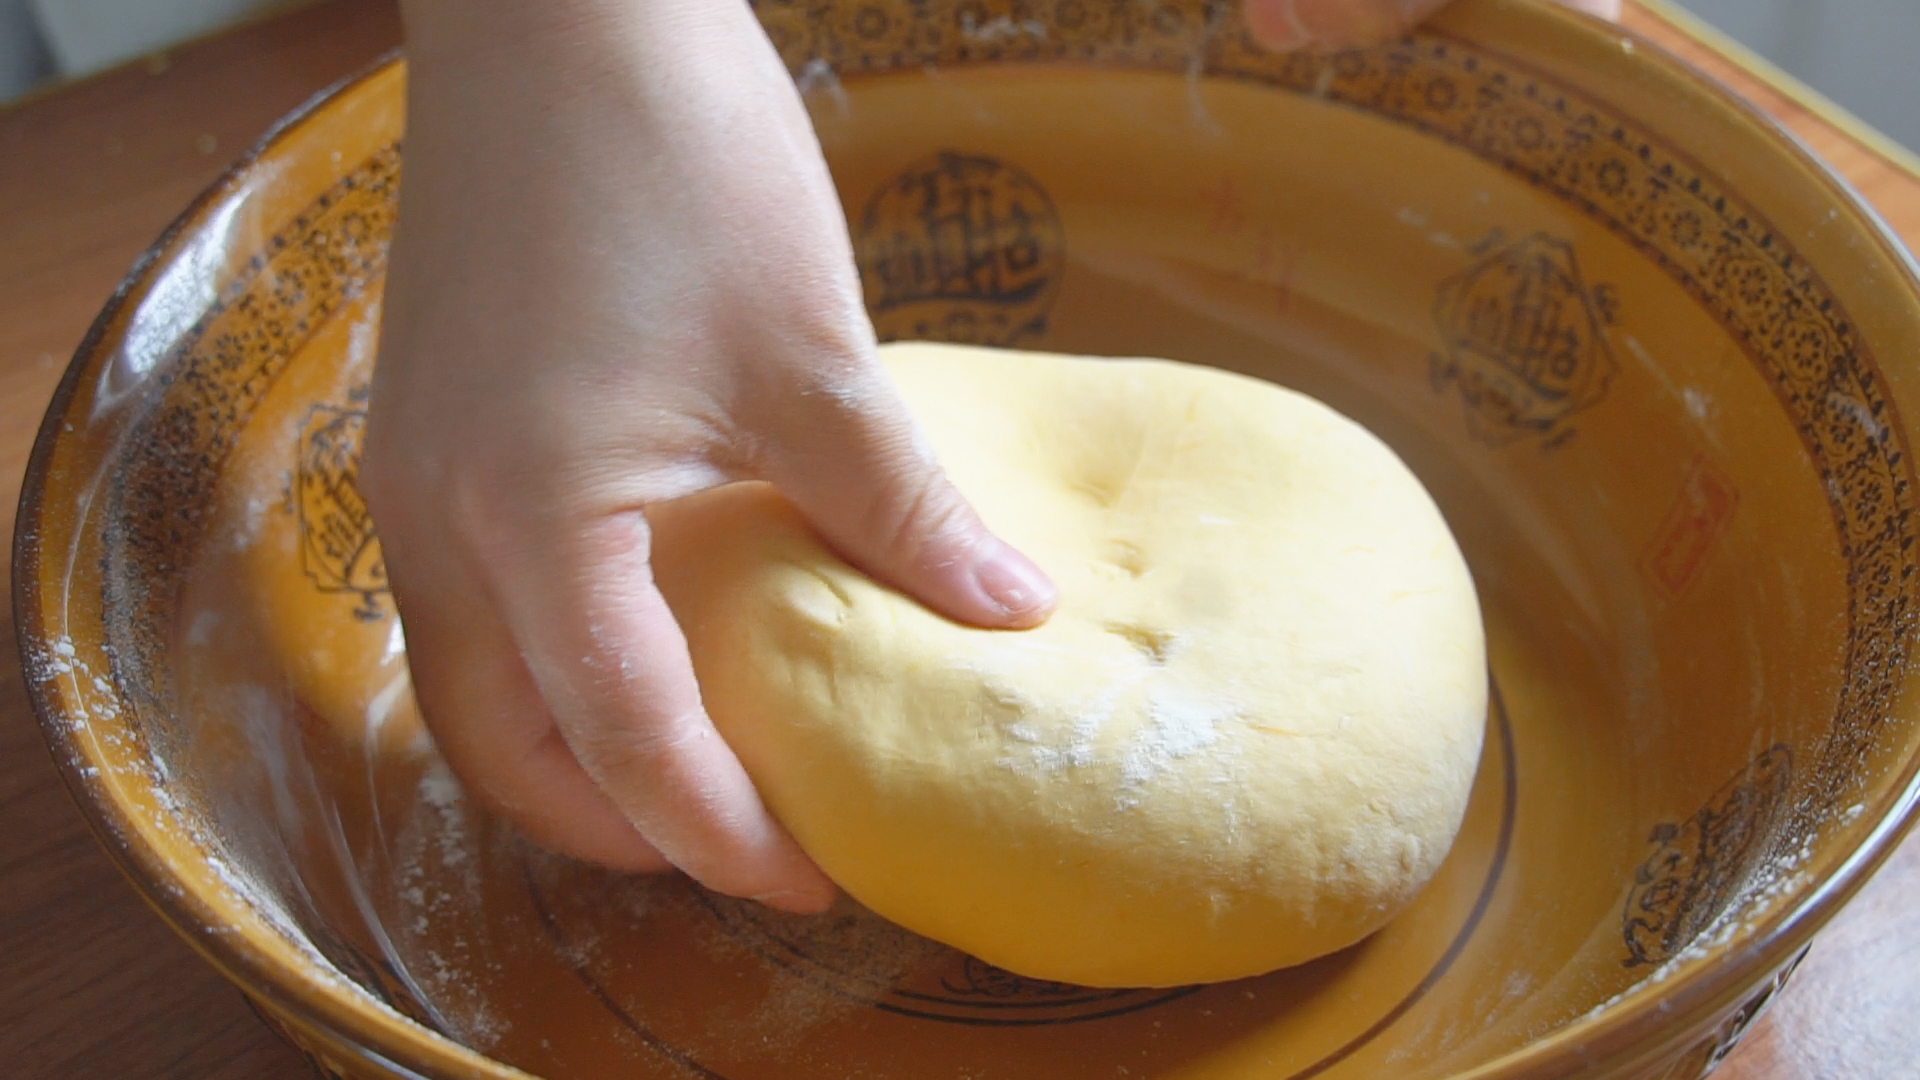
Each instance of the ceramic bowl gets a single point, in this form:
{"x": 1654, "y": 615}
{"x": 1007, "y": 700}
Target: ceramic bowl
{"x": 1654, "y": 362}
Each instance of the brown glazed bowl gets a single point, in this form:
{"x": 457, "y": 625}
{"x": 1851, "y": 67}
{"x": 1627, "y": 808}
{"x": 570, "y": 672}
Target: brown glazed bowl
{"x": 1652, "y": 359}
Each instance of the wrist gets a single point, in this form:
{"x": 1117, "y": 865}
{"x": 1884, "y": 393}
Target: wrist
{"x": 519, "y": 34}
{"x": 479, "y": 31}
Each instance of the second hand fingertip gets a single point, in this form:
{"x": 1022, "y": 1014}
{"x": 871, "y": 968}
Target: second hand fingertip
{"x": 1275, "y": 24}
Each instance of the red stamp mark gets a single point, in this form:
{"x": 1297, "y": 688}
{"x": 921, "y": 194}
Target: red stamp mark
{"x": 1269, "y": 262}
{"x": 1272, "y": 266}
{"x": 1225, "y": 213}
{"x": 1697, "y": 518}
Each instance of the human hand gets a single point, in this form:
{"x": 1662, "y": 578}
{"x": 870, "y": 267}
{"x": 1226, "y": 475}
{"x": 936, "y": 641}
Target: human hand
{"x": 621, "y": 276}
{"x": 1324, "y": 24}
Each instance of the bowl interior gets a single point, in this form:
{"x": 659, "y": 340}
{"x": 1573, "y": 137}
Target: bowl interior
{"x": 1640, "y": 352}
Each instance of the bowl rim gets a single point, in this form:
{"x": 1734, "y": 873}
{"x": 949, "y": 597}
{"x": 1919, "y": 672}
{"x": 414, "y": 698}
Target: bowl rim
{"x": 291, "y": 994}
{"x": 1712, "y": 984}
{"x": 1605, "y": 1037}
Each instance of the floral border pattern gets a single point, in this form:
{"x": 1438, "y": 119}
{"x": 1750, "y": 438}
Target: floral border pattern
{"x": 1594, "y": 160}
{"x": 213, "y": 379}
{"x": 1703, "y": 866}
{"x": 1717, "y": 247}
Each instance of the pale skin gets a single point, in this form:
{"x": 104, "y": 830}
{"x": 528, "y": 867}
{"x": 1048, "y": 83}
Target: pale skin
{"x": 622, "y": 276}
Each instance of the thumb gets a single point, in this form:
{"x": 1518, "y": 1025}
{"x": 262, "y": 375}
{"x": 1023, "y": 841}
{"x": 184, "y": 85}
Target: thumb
{"x": 1283, "y": 25}
{"x": 854, "y": 462}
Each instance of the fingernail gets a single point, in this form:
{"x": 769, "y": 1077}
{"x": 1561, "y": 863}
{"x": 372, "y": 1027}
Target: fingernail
{"x": 1014, "y": 584}
{"x": 797, "y": 901}
{"x": 1276, "y": 24}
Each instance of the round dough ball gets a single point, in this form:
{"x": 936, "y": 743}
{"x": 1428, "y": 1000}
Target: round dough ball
{"x": 1245, "y": 739}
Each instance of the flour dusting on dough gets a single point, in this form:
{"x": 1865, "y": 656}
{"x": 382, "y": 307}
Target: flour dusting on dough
{"x": 1078, "y": 751}
{"x": 1179, "y": 724}
{"x": 1160, "y": 743}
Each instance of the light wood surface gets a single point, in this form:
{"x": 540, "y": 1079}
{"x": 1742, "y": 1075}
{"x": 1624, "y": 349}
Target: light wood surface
{"x": 93, "y": 985}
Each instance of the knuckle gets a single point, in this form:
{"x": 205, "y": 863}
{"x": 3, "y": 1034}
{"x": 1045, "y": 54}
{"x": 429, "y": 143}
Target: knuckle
{"x": 921, "y": 519}
{"x": 622, "y": 753}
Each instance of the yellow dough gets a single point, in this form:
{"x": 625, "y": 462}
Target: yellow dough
{"x": 1244, "y": 740}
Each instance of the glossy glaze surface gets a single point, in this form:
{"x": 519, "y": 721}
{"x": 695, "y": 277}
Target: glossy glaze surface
{"x": 1640, "y": 506}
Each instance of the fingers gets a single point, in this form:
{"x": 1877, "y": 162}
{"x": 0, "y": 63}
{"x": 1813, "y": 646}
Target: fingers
{"x": 489, "y": 723}
{"x": 855, "y": 464}
{"x": 606, "y": 655}
{"x": 1285, "y": 25}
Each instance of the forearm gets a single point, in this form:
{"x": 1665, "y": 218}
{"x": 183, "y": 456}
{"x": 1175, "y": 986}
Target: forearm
{"x": 500, "y": 31}
{"x": 680, "y": 69}
{"x": 499, "y": 34}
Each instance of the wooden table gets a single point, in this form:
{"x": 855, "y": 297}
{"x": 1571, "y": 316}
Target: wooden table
{"x": 93, "y": 985}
